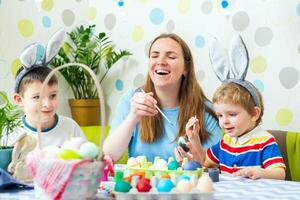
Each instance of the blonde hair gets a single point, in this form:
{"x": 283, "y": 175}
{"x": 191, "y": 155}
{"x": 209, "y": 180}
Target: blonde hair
{"x": 191, "y": 99}
{"x": 236, "y": 94}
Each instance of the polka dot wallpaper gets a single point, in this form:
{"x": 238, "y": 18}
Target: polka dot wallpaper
{"x": 270, "y": 29}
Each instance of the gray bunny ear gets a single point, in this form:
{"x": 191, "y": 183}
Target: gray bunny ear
{"x": 239, "y": 59}
{"x": 218, "y": 59}
{"x": 54, "y": 45}
{"x": 28, "y": 56}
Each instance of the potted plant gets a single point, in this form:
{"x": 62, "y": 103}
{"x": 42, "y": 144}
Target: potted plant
{"x": 10, "y": 118}
{"x": 97, "y": 52}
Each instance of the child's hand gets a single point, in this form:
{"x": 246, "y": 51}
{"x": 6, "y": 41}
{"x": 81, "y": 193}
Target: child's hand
{"x": 192, "y": 154}
{"x": 252, "y": 173}
{"x": 192, "y": 128}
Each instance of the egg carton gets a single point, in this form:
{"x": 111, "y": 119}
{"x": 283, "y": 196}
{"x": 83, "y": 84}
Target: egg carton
{"x": 149, "y": 172}
{"x": 164, "y": 196}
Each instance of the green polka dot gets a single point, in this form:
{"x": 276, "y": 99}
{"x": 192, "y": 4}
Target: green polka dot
{"x": 137, "y": 34}
{"x": 284, "y": 117}
{"x": 91, "y": 13}
{"x": 47, "y": 5}
{"x": 258, "y": 64}
{"x": 15, "y": 66}
{"x": 25, "y": 27}
{"x": 183, "y": 6}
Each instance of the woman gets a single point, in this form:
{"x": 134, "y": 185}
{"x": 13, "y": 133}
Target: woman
{"x": 172, "y": 86}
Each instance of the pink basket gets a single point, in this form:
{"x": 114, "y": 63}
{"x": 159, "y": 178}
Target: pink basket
{"x": 85, "y": 179}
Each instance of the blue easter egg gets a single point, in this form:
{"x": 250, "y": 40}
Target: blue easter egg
{"x": 165, "y": 185}
{"x": 191, "y": 165}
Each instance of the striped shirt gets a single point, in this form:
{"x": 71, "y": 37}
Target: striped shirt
{"x": 258, "y": 148}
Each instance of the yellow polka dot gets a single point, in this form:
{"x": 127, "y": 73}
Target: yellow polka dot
{"x": 91, "y": 13}
{"x": 284, "y": 117}
{"x": 47, "y": 5}
{"x": 25, "y": 27}
{"x": 183, "y": 6}
{"x": 144, "y": 1}
{"x": 137, "y": 34}
{"x": 258, "y": 64}
{"x": 15, "y": 66}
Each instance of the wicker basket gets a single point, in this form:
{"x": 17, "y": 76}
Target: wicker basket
{"x": 85, "y": 180}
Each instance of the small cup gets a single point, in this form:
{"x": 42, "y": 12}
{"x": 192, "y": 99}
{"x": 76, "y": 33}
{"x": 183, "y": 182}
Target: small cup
{"x": 214, "y": 174}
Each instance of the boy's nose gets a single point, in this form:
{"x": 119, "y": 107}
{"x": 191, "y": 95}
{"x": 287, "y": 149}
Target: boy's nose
{"x": 46, "y": 102}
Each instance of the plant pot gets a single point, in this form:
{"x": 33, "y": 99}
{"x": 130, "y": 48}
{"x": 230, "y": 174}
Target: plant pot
{"x": 5, "y": 157}
{"x": 86, "y": 112}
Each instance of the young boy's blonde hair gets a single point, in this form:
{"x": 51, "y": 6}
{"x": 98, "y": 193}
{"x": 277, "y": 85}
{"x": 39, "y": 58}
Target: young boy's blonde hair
{"x": 235, "y": 94}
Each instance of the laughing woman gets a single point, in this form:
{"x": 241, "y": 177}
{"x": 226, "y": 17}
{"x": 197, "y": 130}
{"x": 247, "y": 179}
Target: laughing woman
{"x": 171, "y": 85}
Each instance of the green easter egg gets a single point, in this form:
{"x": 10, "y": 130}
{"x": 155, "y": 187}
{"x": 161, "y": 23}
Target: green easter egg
{"x": 88, "y": 150}
{"x": 173, "y": 165}
{"x": 67, "y": 154}
{"x": 122, "y": 186}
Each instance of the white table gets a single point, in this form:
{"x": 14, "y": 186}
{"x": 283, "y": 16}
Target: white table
{"x": 229, "y": 188}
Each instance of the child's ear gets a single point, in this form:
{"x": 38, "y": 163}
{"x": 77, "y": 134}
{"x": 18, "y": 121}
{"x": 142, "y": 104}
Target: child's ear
{"x": 18, "y": 99}
{"x": 256, "y": 113}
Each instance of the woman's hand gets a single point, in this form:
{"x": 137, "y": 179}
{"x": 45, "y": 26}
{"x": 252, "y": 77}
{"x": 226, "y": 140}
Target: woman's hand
{"x": 192, "y": 129}
{"x": 142, "y": 104}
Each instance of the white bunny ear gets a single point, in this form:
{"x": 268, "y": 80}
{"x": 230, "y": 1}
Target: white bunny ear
{"x": 28, "y": 56}
{"x": 54, "y": 45}
{"x": 239, "y": 59}
{"x": 219, "y": 60}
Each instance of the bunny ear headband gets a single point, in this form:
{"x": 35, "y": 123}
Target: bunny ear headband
{"x": 234, "y": 70}
{"x": 30, "y": 58}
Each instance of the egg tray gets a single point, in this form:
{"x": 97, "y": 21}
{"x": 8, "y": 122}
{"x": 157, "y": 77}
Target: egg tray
{"x": 149, "y": 172}
{"x": 164, "y": 196}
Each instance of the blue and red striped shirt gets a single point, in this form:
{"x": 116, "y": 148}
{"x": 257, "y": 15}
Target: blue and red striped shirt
{"x": 258, "y": 148}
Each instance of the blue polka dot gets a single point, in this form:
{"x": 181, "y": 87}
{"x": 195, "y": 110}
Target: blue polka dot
{"x": 224, "y": 4}
{"x": 0, "y": 2}
{"x": 119, "y": 85}
{"x": 157, "y": 16}
{"x": 120, "y": 3}
{"x": 259, "y": 85}
{"x": 200, "y": 41}
{"x": 46, "y": 21}
{"x": 40, "y": 51}
{"x": 298, "y": 9}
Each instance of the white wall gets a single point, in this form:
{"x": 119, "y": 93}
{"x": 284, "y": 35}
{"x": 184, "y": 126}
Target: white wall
{"x": 270, "y": 29}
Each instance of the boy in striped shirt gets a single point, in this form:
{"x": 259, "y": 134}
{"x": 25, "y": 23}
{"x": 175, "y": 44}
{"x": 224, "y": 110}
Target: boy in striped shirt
{"x": 246, "y": 149}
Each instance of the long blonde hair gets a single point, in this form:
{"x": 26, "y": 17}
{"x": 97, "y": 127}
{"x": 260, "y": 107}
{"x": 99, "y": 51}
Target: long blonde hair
{"x": 191, "y": 99}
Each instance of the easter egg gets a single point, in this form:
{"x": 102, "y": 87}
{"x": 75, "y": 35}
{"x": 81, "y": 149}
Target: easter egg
{"x": 51, "y": 151}
{"x": 74, "y": 143}
{"x": 165, "y": 185}
{"x": 205, "y": 184}
{"x": 144, "y": 185}
{"x": 173, "y": 165}
{"x": 132, "y": 161}
{"x": 191, "y": 165}
{"x": 88, "y": 150}
{"x": 122, "y": 186}
{"x": 181, "y": 177}
{"x": 184, "y": 186}
{"x": 182, "y": 142}
{"x": 160, "y": 164}
{"x": 67, "y": 154}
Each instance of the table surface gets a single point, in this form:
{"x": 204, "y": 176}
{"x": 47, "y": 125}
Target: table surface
{"x": 229, "y": 187}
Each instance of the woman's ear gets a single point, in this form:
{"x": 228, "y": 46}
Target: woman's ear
{"x": 256, "y": 113}
{"x": 18, "y": 99}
